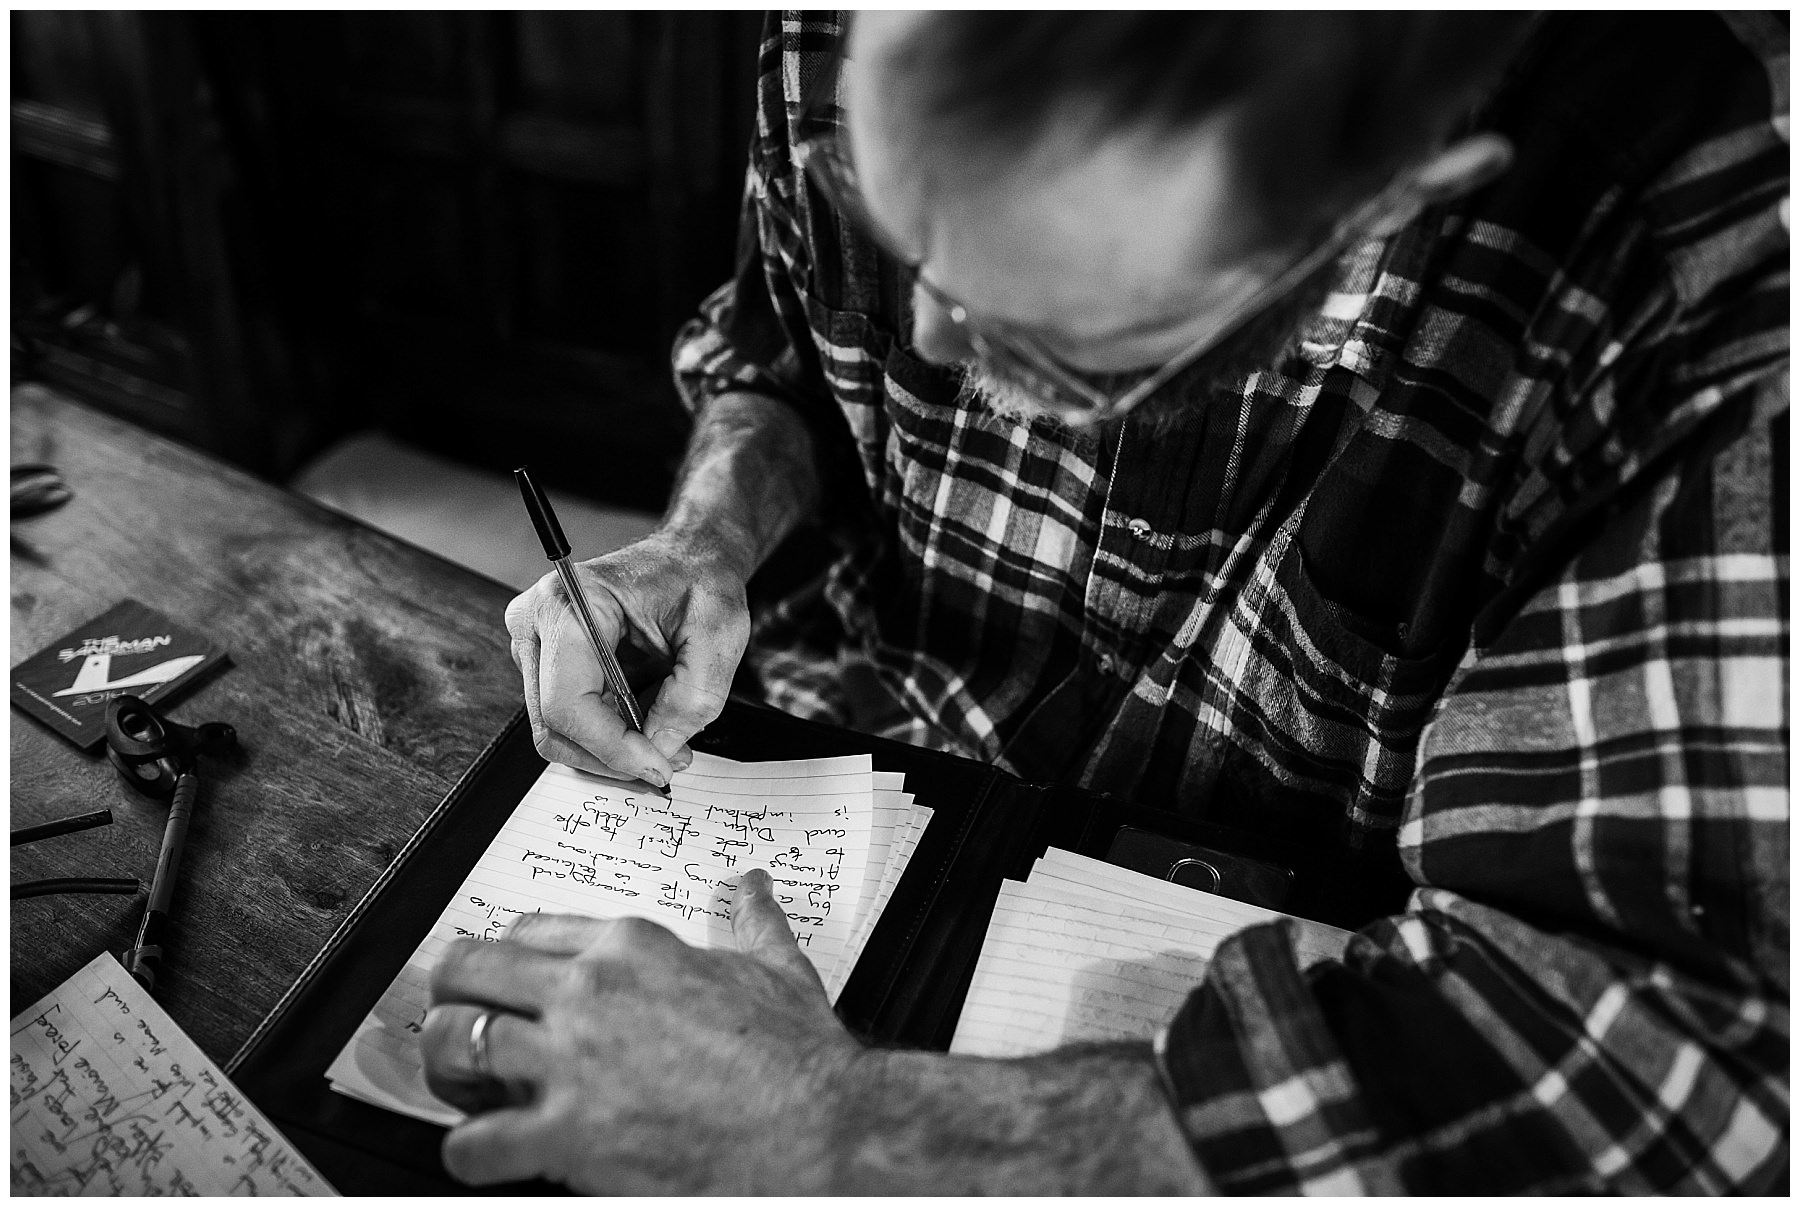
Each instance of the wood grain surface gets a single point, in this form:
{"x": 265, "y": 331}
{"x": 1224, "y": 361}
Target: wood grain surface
{"x": 365, "y": 676}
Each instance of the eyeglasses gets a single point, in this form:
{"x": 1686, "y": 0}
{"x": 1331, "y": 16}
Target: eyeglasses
{"x": 825, "y": 158}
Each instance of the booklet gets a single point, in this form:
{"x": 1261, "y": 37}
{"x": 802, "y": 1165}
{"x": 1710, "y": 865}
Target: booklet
{"x": 128, "y": 650}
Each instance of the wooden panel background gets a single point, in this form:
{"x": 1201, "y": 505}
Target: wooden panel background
{"x": 258, "y": 231}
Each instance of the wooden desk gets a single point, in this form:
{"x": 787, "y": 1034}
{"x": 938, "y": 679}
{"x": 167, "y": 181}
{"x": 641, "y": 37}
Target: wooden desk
{"x": 365, "y": 676}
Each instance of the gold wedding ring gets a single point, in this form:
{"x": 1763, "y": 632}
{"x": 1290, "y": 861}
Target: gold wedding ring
{"x": 478, "y": 1047}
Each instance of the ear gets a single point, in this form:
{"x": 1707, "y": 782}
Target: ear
{"x": 1463, "y": 167}
{"x": 1458, "y": 169}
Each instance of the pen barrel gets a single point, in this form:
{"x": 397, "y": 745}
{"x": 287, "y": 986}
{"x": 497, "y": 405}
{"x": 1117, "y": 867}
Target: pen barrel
{"x": 609, "y": 665}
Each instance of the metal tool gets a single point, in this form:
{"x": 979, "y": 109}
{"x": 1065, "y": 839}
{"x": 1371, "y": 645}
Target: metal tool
{"x": 156, "y": 756}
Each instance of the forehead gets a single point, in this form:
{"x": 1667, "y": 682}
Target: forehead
{"x": 1076, "y": 227}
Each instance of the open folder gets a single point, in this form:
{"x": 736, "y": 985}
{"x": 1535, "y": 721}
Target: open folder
{"x": 902, "y": 982}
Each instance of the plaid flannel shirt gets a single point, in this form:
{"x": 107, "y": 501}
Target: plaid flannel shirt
{"x": 1492, "y": 576}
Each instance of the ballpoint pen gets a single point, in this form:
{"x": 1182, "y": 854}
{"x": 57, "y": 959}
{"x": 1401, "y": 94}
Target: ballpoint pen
{"x": 556, "y": 548}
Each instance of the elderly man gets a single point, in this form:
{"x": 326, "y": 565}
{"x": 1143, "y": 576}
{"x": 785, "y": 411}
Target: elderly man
{"x": 1369, "y": 428}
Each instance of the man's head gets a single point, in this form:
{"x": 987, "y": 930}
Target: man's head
{"x": 1114, "y": 190}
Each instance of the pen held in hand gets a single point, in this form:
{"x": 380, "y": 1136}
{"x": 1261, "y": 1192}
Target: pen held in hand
{"x": 556, "y": 548}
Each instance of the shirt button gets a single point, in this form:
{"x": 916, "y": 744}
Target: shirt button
{"x": 1140, "y": 528}
{"x": 1107, "y": 663}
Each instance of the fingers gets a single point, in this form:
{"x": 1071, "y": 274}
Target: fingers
{"x": 514, "y": 982}
{"x": 561, "y": 934}
{"x": 524, "y": 645}
{"x": 524, "y": 969}
{"x": 514, "y": 1056}
{"x": 554, "y": 748}
{"x": 761, "y": 927}
{"x": 567, "y": 698}
{"x": 512, "y": 976}
{"x": 706, "y": 624}
{"x": 523, "y": 641}
{"x": 523, "y": 615}
{"x": 707, "y": 653}
{"x": 499, "y": 1146}
{"x": 577, "y": 700}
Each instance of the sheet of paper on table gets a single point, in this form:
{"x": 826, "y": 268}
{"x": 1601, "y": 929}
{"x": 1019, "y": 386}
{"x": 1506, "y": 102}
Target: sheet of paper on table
{"x": 1084, "y": 950}
{"x": 833, "y": 833}
{"x": 110, "y": 1097}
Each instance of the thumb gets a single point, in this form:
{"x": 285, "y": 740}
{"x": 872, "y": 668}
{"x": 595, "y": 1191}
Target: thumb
{"x": 760, "y": 926}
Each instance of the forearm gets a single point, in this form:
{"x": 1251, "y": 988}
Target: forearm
{"x": 1091, "y": 1119}
{"x": 747, "y": 481}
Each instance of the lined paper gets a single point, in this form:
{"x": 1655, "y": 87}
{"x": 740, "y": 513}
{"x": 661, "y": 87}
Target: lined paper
{"x": 1213, "y": 914}
{"x": 110, "y": 1097}
{"x": 901, "y": 823}
{"x": 1084, "y": 950}
{"x": 584, "y": 844}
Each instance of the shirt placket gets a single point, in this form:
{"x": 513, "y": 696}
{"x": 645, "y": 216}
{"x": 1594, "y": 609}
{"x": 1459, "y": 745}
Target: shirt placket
{"x": 1052, "y": 742}
{"x": 1139, "y": 523}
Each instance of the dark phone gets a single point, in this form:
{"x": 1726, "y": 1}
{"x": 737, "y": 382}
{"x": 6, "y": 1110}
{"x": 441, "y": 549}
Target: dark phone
{"x": 1206, "y": 868}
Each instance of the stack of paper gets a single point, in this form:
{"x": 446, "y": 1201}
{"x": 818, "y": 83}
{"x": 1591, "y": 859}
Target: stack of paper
{"x": 833, "y": 833}
{"x": 1086, "y": 951}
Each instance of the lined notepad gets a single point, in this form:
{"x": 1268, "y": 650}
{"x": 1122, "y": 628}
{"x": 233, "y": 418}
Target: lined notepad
{"x": 833, "y": 833}
{"x": 110, "y": 1097}
{"x": 1084, "y": 950}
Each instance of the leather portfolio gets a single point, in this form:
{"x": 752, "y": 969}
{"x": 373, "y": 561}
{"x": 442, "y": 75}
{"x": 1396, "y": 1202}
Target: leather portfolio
{"x": 906, "y": 989}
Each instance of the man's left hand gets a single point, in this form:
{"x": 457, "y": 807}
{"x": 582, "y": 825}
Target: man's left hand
{"x": 630, "y": 1062}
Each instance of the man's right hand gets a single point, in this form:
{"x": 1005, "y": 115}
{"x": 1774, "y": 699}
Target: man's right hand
{"x": 677, "y": 596}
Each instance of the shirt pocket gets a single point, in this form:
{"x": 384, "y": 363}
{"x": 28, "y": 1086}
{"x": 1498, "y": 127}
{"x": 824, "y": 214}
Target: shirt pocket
{"x": 902, "y": 411}
{"x": 1395, "y": 649}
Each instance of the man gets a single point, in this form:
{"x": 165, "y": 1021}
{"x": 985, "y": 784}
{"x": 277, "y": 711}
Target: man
{"x": 1369, "y": 428}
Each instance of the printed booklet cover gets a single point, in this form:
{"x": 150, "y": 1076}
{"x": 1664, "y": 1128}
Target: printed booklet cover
{"x": 131, "y": 650}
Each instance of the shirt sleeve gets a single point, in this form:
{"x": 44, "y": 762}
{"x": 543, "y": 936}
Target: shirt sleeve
{"x": 754, "y": 333}
{"x": 751, "y": 332}
{"x": 1589, "y": 994}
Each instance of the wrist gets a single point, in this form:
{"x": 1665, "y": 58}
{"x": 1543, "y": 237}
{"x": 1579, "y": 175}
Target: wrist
{"x": 803, "y": 1150}
{"x": 1089, "y": 1119}
{"x": 747, "y": 481}
{"x": 713, "y": 545}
